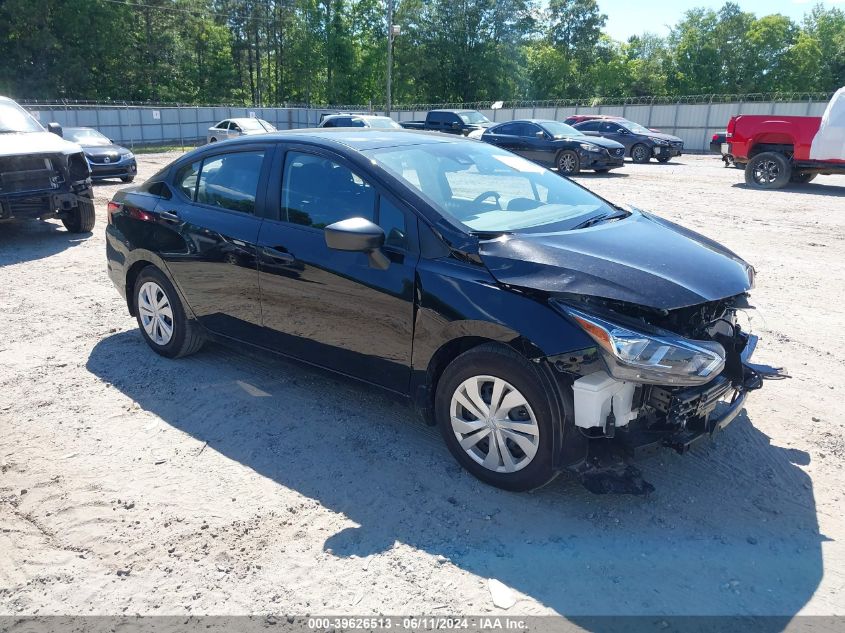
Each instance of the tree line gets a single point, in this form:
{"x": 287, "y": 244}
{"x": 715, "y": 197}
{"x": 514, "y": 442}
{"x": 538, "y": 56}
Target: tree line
{"x": 270, "y": 52}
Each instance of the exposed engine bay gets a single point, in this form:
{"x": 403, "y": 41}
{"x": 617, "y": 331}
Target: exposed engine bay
{"x": 627, "y": 417}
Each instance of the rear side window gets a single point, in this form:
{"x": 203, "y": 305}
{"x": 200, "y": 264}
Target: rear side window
{"x": 186, "y": 180}
{"x": 317, "y": 191}
{"x": 230, "y": 181}
{"x": 509, "y": 129}
{"x": 590, "y": 126}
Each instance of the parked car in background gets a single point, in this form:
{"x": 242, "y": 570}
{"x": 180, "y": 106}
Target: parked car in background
{"x": 718, "y": 146}
{"x": 360, "y": 120}
{"x": 556, "y": 144}
{"x": 641, "y": 143}
{"x": 42, "y": 175}
{"x": 461, "y": 122}
{"x": 105, "y": 158}
{"x": 232, "y": 128}
{"x": 538, "y": 325}
{"x": 777, "y": 150}
{"x": 580, "y": 118}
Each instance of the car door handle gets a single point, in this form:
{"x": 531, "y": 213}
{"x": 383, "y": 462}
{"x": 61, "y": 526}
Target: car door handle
{"x": 278, "y": 253}
{"x": 170, "y": 216}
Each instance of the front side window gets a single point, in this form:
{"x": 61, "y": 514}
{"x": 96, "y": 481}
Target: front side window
{"x": 392, "y": 220}
{"x": 317, "y": 191}
{"x": 508, "y": 129}
{"x": 230, "y": 181}
{"x": 487, "y": 189}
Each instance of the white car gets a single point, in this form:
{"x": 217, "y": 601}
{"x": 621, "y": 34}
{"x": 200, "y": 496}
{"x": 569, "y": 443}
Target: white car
{"x": 230, "y": 128}
{"x": 360, "y": 120}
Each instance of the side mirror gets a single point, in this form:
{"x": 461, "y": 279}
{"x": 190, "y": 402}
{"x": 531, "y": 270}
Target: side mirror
{"x": 540, "y": 134}
{"x": 456, "y": 126}
{"x": 55, "y": 128}
{"x": 358, "y": 235}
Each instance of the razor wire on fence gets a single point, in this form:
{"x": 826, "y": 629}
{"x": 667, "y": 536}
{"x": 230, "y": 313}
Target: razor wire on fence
{"x": 694, "y": 118}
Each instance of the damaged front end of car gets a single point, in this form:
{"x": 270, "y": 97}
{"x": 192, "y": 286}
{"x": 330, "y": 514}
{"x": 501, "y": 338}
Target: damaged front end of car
{"x": 655, "y": 378}
{"x": 43, "y": 186}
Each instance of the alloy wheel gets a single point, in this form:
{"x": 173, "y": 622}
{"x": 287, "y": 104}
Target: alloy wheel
{"x": 494, "y": 424}
{"x": 156, "y": 313}
{"x": 566, "y": 163}
{"x": 766, "y": 172}
{"x": 640, "y": 153}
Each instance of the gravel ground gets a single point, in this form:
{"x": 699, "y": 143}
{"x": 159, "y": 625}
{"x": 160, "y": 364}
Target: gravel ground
{"x": 231, "y": 483}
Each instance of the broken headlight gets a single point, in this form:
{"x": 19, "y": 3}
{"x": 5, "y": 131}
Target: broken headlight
{"x": 659, "y": 358}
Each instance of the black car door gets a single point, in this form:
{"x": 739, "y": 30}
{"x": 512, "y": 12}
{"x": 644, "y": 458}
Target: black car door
{"x": 329, "y": 307}
{"x": 616, "y": 132}
{"x": 216, "y": 210}
{"x": 537, "y": 143}
{"x": 505, "y": 136}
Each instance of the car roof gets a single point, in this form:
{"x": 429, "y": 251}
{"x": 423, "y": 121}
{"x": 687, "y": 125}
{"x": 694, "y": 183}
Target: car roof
{"x": 458, "y": 111}
{"x": 358, "y": 139}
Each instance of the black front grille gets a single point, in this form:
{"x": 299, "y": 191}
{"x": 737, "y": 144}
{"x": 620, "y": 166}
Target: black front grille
{"x": 104, "y": 159}
{"x": 26, "y": 173}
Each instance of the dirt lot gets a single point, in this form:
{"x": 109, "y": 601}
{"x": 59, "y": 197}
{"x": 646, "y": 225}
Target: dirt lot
{"x": 230, "y": 483}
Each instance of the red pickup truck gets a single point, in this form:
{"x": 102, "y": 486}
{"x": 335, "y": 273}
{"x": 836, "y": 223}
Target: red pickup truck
{"x": 778, "y": 150}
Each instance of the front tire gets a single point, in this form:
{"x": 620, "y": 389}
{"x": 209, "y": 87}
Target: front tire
{"x": 127, "y": 179}
{"x": 213, "y": 140}
{"x": 640, "y": 153}
{"x": 83, "y": 217}
{"x": 496, "y": 418}
{"x": 768, "y": 170}
{"x": 568, "y": 163}
{"x": 161, "y": 318}
{"x": 663, "y": 159}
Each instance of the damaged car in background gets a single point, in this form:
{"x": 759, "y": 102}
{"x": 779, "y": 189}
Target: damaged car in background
{"x": 541, "y": 327}
{"x": 41, "y": 175}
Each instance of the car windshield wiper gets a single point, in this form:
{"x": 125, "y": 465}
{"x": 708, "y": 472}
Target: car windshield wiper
{"x": 604, "y": 217}
{"x": 2, "y": 131}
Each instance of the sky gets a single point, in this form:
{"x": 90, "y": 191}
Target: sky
{"x": 633, "y": 17}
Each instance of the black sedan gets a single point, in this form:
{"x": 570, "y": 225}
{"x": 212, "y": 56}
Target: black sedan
{"x": 105, "y": 157}
{"x": 640, "y": 142}
{"x": 539, "y": 326}
{"x": 556, "y": 144}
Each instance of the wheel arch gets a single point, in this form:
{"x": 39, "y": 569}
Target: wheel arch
{"x": 133, "y": 270}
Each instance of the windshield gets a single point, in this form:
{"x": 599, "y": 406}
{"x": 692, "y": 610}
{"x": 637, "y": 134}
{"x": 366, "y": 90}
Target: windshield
{"x": 558, "y": 129}
{"x": 255, "y": 124}
{"x": 473, "y": 117}
{"x": 85, "y": 136}
{"x": 383, "y": 122}
{"x": 636, "y": 128}
{"x": 14, "y": 118}
{"x": 489, "y": 190}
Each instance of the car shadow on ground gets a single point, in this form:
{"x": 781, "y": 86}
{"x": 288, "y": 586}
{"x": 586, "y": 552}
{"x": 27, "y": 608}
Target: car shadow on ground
{"x": 615, "y": 173}
{"x": 28, "y": 240}
{"x": 731, "y": 528}
{"x": 811, "y": 188}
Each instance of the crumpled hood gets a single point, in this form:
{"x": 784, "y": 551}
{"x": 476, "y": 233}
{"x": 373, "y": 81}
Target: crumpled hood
{"x": 606, "y": 143}
{"x": 17, "y": 144}
{"x": 641, "y": 259}
{"x": 665, "y": 137}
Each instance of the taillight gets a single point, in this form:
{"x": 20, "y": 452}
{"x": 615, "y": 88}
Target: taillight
{"x": 112, "y": 208}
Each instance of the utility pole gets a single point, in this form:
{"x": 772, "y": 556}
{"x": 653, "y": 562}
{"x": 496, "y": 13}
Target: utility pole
{"x": 388, "y": 103}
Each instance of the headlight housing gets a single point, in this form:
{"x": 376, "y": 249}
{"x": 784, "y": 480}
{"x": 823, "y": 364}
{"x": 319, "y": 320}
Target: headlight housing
{"x": 659, "y": 358}
{"x": 127, "y": 155}
{"x": 590, "y": 147}
{"x": 658, "y": 141}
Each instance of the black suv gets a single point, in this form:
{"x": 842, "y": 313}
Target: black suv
{"x": 42, "y": 175}
{"x": 640, "y": 142}
{"x": 540, "y": 326}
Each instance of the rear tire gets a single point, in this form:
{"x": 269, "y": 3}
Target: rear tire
{"x": 601, "y": 171}
{"x": 83, "y": 217}
{"x": 768, "y": 170}
{"x": 516, "y": 444}
{"x": 161, "y": 318}
{"x": 640, "y": 153}
{"x": 568, "y": 163}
